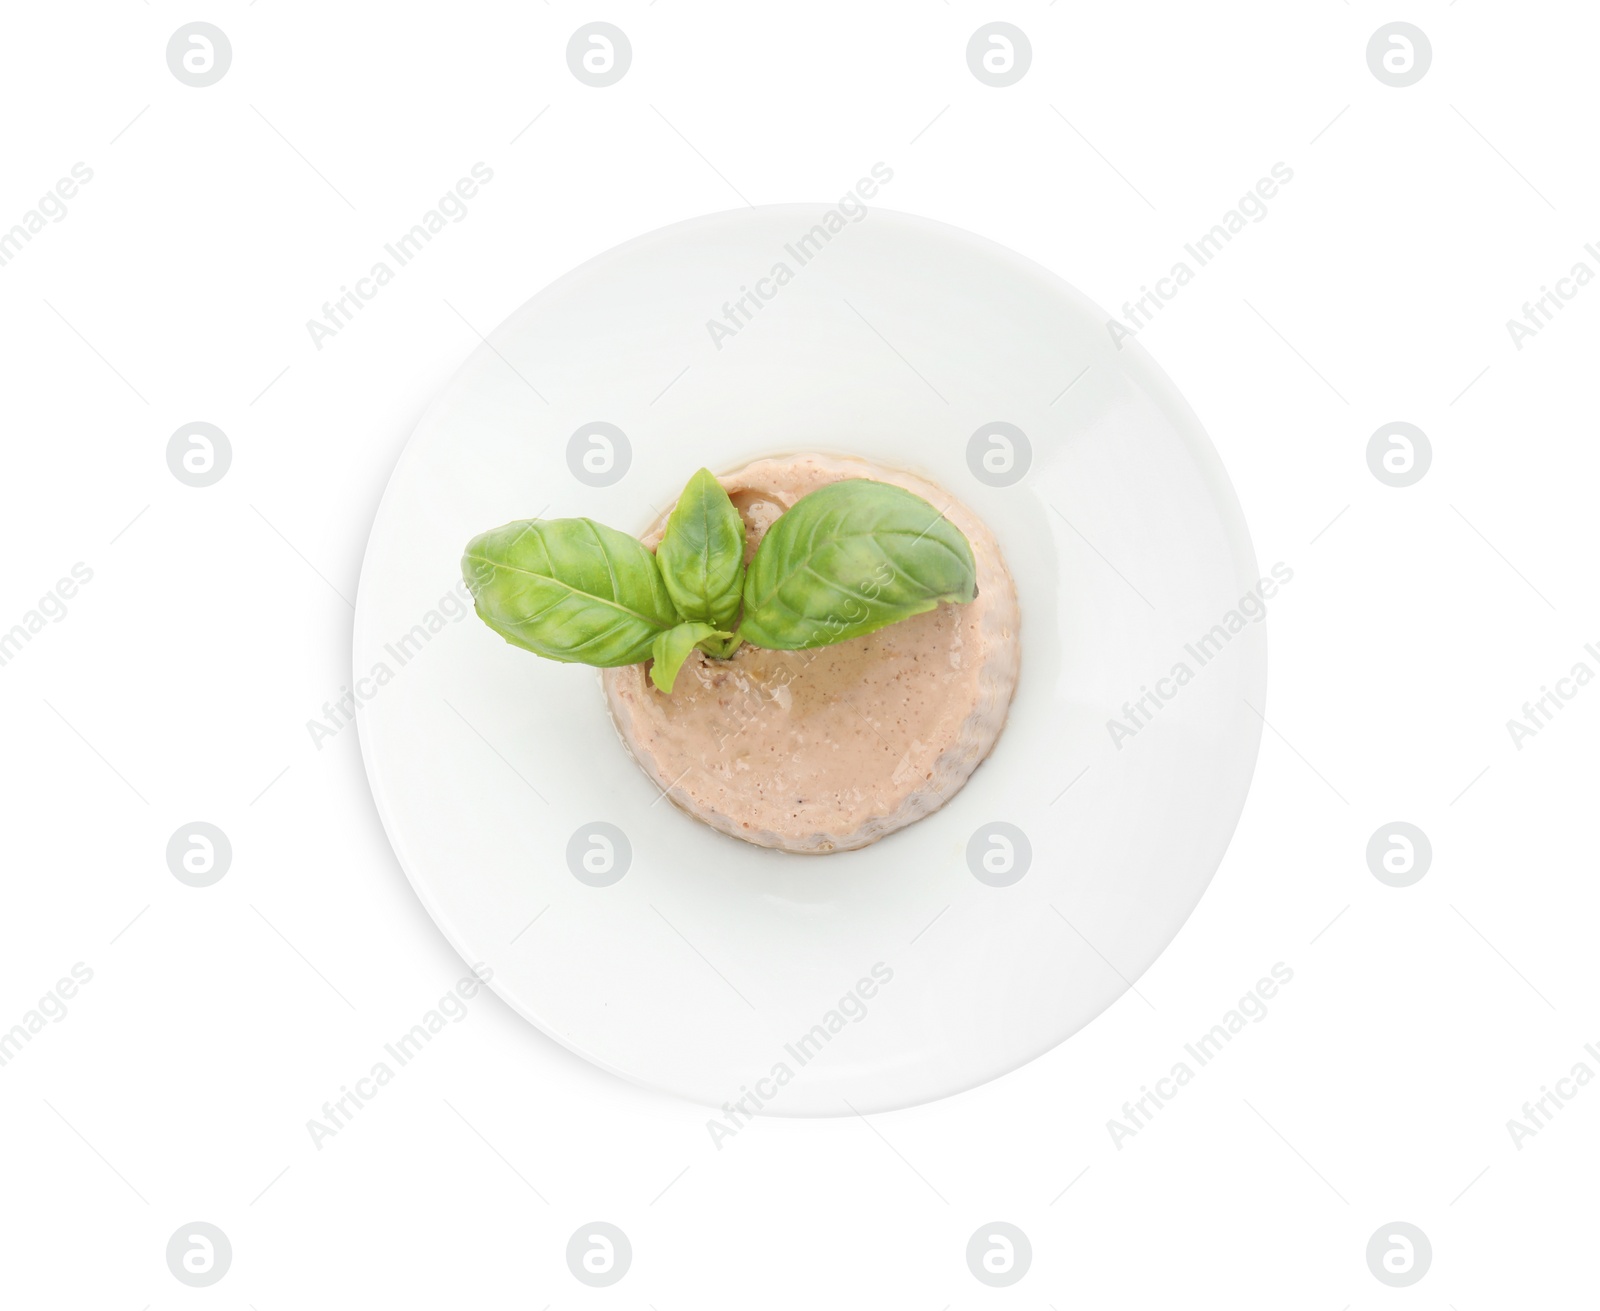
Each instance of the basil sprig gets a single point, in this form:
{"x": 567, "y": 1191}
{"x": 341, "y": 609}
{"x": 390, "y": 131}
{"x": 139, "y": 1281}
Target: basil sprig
{"x": 847, "y": 560}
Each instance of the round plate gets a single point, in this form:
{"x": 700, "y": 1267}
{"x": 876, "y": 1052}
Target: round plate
{"x": 950, "y": 952}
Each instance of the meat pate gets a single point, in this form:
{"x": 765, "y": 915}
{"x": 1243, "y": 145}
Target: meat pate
{"x": 836, "y": 747}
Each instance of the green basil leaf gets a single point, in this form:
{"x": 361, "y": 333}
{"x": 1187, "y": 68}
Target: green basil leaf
{"x": 569, "y": 589}
{"x": 672, "y": 648}
{"x": 702, "y": 553}
{"x": 849, "y": 559}
{"x": 722, "y": 645}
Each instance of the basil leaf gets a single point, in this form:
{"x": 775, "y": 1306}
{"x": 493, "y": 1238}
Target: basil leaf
{"x": 849, "y": 559}
{"x": 569, "y": 589}
{"x": 702, "y": 553}
{"x": 722, "y": 645}
{"x": 671, "y": 649}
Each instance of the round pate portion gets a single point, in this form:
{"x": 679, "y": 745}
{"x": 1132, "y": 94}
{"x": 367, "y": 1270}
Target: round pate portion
{"x": 833, "y": 748}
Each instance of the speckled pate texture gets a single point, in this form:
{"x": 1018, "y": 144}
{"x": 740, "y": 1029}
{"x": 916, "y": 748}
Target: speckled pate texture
{"x": 830, "y": 749}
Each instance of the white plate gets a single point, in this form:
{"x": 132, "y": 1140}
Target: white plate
{"x": 700, "y": 968}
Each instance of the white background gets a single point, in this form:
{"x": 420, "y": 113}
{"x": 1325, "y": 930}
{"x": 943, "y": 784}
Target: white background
{"x": 178, "y": 685}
